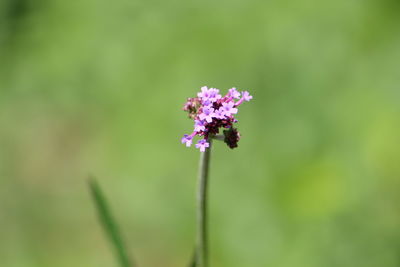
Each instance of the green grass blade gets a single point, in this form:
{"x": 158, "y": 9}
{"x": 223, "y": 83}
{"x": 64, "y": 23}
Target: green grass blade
{"x": 193, "y": 260}
{"x": 109, "y": 224}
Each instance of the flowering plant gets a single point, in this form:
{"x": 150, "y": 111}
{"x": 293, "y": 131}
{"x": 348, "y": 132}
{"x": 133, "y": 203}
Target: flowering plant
{"x": 212, "y": 111}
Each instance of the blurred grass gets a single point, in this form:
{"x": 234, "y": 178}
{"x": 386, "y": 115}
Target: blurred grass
{"x": 97, "y": 87}
{"x": 109, "y": 224}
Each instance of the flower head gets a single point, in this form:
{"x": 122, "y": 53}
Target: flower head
{"x": 211, "y": 112}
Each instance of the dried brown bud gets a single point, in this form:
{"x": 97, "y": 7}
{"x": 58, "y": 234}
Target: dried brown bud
{"x": 232, "y": 137}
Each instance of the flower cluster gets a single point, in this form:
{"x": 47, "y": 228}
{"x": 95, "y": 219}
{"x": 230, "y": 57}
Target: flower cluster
{"x": 212, "y": 111}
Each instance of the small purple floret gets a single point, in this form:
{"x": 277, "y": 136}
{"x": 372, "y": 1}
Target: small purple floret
{"x": 187, "y": 139}
{"x": 229, "y": 109}
{"x": 202, "y": 145}
{"x": 219, "y": 114}
{"x": 199, "y": 126}
{"x": 207, "y": 114}
{"x": 214, "y": 94}
{"x": 204, "y": 93}
{"x": 234, "y": 93}
{"x": 246, "y": 96}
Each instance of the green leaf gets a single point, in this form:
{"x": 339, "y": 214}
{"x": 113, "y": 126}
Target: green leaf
{"x": 109, "y": 224}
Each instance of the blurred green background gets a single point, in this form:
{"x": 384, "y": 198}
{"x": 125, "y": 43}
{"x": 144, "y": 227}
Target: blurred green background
{"x": 96, "y": 88}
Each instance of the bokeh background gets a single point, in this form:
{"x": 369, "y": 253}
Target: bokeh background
{"x": 96, "y": 88}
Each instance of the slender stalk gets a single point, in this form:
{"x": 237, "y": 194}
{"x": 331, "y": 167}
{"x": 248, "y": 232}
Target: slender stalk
{"x": 110, "y": 227}
{"x": 201, "y": 239}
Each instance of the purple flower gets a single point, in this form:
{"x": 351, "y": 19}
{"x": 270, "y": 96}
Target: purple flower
{"x": 214, "y": 94}
{"x": 246, "y": 96}
{"x": 187, "y": 139}
{"x": 199, "y": 126}
{"x": 207, "y": 114}
{"x": 205, "y": 94}
{"x": 212, "y": 113}
{"x": 229, "y": 109}
{"x": 207, "y": 102}
{"x": 209, "y": 96}
{"x": 219, "y": 114}
{"x": 234, "y": 93}
{"x": 202, "y": 145}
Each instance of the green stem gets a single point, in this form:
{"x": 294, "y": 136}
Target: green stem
{"x": 201, "y": 240}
